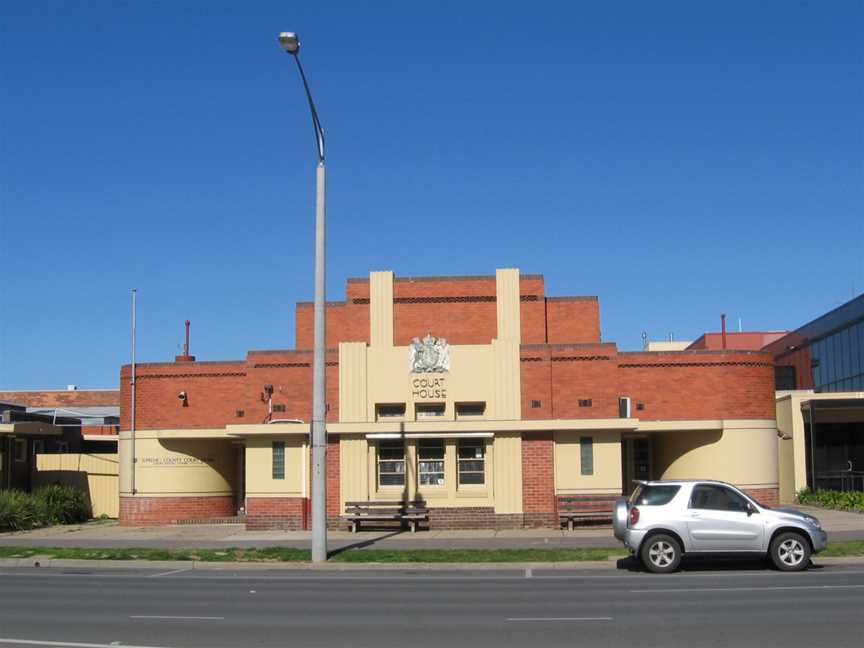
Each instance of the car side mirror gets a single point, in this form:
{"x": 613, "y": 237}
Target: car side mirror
{"x": 750, "y": 509}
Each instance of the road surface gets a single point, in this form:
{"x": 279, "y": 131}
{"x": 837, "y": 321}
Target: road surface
{"x": 752, "y": 606}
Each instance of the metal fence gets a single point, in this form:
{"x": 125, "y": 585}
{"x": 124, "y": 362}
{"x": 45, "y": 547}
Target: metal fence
{"x": 97, "y": 475}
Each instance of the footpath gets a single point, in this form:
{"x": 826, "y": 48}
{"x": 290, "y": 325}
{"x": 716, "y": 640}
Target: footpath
{"x": 571, "y": 548}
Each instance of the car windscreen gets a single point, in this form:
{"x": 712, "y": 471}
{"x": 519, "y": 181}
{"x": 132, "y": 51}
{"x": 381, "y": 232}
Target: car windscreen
{"x": 653, "y": 494}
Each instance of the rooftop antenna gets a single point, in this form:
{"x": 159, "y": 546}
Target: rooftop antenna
{"x": 740, "y": 330}
{"x": 644, "y": 339}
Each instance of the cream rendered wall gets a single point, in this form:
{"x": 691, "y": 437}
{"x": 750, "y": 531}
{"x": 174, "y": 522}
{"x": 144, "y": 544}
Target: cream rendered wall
{"x": 352, "y": 382}
{"x": 381, "y": 309}
{"x": 389, "y": 381}
{"x": 259, "y": 467}
{"x": 746, "y": 457}
{"x": 173, "y": 467}
{"x": 508, "y": 472}
{"x": 379, "y": 374}
{"x": 785, "y": 452}
{"x": 353, "y": 468}
{"x": 607, "y": 463}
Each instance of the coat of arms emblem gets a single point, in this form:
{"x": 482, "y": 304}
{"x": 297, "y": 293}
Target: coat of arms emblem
{"x": 429, "y": 355}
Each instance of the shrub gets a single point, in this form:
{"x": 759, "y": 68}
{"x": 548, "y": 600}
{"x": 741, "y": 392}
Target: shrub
{"x": 49, "y": 505}
{"x": 17, "y": 511}
{"x": 849, "y": 500}
{"x": 61, "y": 505}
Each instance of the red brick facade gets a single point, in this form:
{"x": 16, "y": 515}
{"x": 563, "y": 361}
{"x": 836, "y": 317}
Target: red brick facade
{"x": 538, "y": 480}
{"x": 70, "y": 398}
{"x": 566, "y": 373}
{"x": 766, "y": 496}
{"x": 168, "y": 510}
{"x": 287, "y": 513}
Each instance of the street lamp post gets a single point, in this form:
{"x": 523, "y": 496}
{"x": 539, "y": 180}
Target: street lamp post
{"x": 291, "y": 44}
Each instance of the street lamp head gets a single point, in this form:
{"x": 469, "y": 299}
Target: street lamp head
{"x": 290, "y": 42}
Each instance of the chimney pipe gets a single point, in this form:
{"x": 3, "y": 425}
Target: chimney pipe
{"x": 723, "y": 329}
{"x": 185, "y": 357}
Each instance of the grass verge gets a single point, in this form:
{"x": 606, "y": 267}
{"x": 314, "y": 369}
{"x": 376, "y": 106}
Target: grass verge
{"x": 285, "y": 554}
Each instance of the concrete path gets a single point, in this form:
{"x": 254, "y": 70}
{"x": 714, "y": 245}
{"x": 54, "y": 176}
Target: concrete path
{"x": 840, "y": 526}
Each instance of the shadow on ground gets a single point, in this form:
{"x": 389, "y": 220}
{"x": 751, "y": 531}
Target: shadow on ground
{"x": 705, "y": 564}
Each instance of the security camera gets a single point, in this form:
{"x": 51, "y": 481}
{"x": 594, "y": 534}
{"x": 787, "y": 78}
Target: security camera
{"x": 182, "y": 395}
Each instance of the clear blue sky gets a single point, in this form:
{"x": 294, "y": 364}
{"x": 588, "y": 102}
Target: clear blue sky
{"x": 677, "y": 159}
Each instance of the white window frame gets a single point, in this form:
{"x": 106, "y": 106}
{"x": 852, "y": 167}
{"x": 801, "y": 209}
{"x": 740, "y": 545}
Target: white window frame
{"x": 388, "y": 462}
{"x": 426, "y": 470}
{"x": 474, "y": 443}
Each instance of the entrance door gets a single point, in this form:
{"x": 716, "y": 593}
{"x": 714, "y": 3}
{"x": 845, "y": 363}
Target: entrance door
{"x": 636, "y": 461}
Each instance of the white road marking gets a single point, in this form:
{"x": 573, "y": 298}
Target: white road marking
{"x": 192, "y": 618}
{"x": 744, "y": 589}
{"x": 560, "y": 619}
{"x": 168, "y": 573}
{"x": 66, "y": 644}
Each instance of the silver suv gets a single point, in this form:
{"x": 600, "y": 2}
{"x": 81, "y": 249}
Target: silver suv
{"x": 664, "y": 520}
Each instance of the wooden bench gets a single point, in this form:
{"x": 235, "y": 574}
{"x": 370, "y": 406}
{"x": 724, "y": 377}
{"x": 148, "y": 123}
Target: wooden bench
{"x": 385, "y": 511}
{"x": 585, "y": 507}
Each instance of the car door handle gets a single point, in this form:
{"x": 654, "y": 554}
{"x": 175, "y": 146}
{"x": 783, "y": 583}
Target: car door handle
{"x": 694, "y": 515}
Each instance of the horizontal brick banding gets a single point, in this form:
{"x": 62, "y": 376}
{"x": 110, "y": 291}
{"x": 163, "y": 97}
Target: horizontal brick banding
{"x": 169, "y": 510}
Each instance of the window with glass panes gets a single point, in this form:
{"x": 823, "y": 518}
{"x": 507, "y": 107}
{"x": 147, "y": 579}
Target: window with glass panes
{"x": 471, "y": 459}
{"x": 391, "y": 463}
{"x": 430, "y": 462}
{"x": 278, "y": 460}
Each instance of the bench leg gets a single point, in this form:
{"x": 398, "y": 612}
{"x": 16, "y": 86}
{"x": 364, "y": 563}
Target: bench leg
{"x": 569, "y": 524}
{"x": 353, "y": 526}
{"x": 413, "y": 526}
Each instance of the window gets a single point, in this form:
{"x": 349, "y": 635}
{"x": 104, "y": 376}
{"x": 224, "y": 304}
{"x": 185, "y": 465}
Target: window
{"x": 278, "y": 460}
{"x": 716, "y": 498}
{"x": 586, "y": 455}
{"x": 535, "y": 403}
{"x": 430, "y": 462}
{"x": 429, "y": 410}
{"x": 20, "y": 450}
{"x": 471, "y": 458}
{"x": 784, "y": 377}
{"x": 648, "y": 495}
{"x": 585, "y": 402}
{"x": 241, "y": 413}
{"x": 391, "y": 463}
{"x": 279, "y": 407}
{"x": 389, "y": 410}
{"x": 470, "y": 410}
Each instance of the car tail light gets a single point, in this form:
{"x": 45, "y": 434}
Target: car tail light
{"x": 634, "y": 516}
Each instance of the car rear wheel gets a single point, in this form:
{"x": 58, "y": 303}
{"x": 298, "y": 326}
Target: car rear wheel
{"x": 661, "y": 554}
{"x": 790, "y": 552}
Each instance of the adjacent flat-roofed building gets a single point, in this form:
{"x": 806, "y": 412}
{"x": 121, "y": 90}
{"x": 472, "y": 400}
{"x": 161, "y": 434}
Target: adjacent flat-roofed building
{"x": 825, "y": 355}
{"x": 480, "y": 395}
